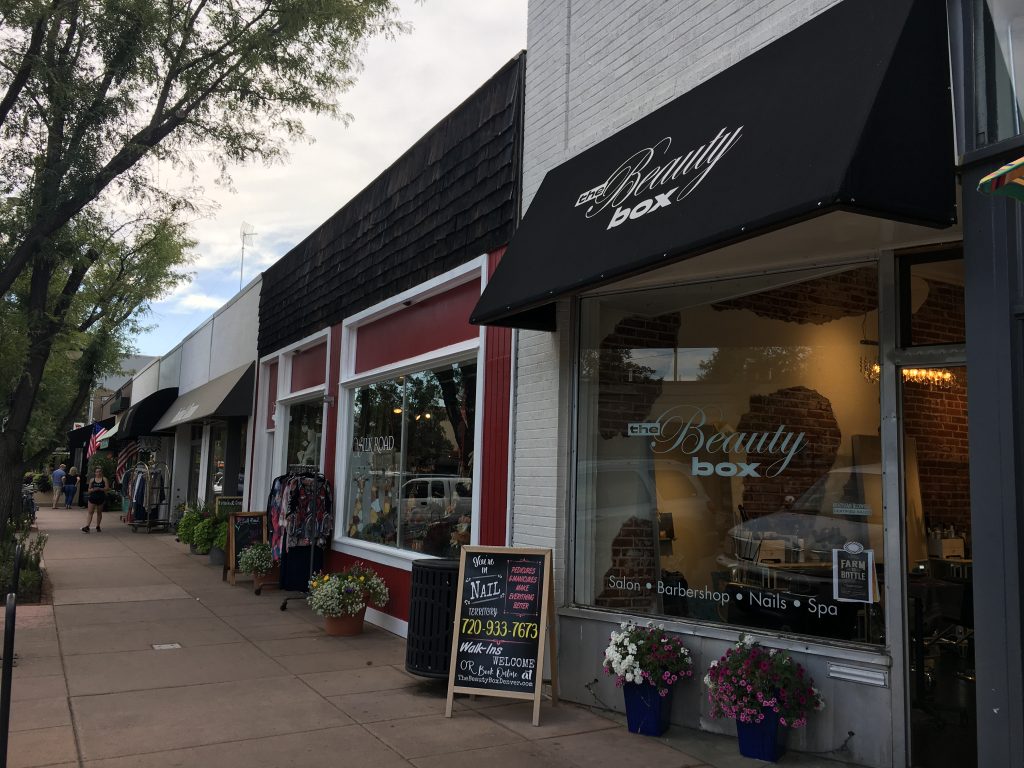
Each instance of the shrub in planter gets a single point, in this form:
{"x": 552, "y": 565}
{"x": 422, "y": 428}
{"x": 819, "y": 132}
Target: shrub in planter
{"x": 43, "y": 483}
{"x": 187, "y": 525}
{"x": 202, "y": 536}
{"x": 220, "y": 536}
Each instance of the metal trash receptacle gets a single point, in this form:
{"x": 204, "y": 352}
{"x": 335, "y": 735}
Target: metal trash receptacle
{"x": 428, "y": 645}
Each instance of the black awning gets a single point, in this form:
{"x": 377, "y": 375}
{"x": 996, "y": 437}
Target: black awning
{"x": 80, "y": 436}
{"x": 143, "y": 416}
{"x": 850, "y": 111}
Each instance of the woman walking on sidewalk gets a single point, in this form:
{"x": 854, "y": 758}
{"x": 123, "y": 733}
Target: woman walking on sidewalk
{"x": 98, "y": 488}
{"x": 70, "y": 486}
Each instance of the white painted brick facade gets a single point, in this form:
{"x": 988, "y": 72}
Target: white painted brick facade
{"x": 593, "y": 67}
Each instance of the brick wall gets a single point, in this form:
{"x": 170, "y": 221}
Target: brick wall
{"x": 801, "y": 410}
{"x": 628, "y": 390}
{"x": 819, "y": 301}
{"x": 633, "y": 561}
{"x": 937, "y": 420}
{"x": 940, "y": 319}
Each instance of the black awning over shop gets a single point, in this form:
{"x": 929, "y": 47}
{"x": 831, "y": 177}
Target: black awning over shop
{"x": 79, "y": 437}
{"x": 850, "y": 111}
{"x": 228, "y": 395}
{"x": 142, "y": 417}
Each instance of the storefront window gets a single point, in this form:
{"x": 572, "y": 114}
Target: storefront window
{"x": 305, "y": 427}
{"x": 411, "y": 462}
{"x": 195, "y": 460}
{"x": 215, "y": 475}
{"x": 932, "y": 296}
{"x": 729, "y": 456}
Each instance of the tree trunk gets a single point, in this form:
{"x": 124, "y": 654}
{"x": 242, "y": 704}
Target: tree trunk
{"x": 11, "y": 472}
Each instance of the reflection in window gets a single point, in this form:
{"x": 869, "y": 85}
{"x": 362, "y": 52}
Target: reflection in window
{"x": 411, "y": 461}
{"x": 305, "y": 427}
{"x": 728, "y": 449}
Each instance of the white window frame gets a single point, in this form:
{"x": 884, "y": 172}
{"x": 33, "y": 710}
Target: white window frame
{"x": 276, "y": 456}
{"x": 475, "y": 269}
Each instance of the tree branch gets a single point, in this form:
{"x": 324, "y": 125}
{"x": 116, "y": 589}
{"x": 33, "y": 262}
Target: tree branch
{"x": 28, "y": 62}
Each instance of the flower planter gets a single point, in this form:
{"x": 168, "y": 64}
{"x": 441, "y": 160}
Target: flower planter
{"x": 647, "y": 713}
{"x": 217, "y": 556}
{"x": 192, "y": 549}
{"x": 762, "y": 741}
{"x": 345, "y": 626}
{"x": 268, "y": 579}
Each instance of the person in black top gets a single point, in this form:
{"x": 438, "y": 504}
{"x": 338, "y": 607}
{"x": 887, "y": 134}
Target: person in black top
{"x": 70, "y": 486}
{"x": 98, "y": 488}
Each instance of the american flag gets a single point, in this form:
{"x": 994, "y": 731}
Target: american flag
{"x": 98, "y": 432}
{"x": 124, "y": 458}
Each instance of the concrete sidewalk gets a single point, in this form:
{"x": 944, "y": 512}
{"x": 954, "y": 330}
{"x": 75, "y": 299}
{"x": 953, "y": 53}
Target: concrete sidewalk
{"x": 254, "y": 687}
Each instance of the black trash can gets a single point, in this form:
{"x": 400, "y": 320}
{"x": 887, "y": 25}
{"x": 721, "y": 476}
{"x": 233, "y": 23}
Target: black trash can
{"x": 428, "y": 645}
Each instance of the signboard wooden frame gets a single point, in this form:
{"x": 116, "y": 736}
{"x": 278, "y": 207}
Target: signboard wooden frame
{"x": 232, "y": 565}
{"x": 546, "y": 636}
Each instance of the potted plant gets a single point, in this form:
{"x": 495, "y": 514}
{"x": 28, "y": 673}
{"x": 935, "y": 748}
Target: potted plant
{"x": 186, "y": 527}
{"x": 341, "y": 598}
{"x": 218, "y": 550}
{"x": 257, "y": 560}
{"x": 761, "y": 689}
{"x": 202, "y": 536}
{"x": 647, "y": 662}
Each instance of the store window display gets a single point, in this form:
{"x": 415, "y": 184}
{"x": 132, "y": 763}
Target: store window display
{"x": 729, "y": 457}
{"x": 410, "y": 467}
{"x": 305, "y": 428}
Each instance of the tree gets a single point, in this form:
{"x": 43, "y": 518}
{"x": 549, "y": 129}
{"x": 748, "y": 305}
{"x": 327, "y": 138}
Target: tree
{"x": 94, "y": 93}
{"x": 128, "y": 265}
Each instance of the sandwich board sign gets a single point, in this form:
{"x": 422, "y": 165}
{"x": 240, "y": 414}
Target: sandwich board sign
{"x": 504, "y": 622}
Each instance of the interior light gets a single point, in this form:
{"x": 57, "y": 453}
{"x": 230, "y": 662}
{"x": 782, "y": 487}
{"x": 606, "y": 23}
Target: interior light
{"x": 426, "y": 415}
{"x": 396, "y": 410}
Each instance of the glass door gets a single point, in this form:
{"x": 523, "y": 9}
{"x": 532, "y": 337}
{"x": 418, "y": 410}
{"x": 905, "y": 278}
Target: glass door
{"x": 937, "y": 531}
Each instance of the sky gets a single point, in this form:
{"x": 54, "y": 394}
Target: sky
{"x": 406, "y": 86}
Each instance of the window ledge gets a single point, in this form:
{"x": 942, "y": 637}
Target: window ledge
{"x": 379, "y": 553}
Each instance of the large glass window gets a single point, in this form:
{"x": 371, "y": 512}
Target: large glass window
{"x": 305, "y": 428}
{"x": 411, "y": 462}
{"x": 215, "y": 472}
{"x": 729, "y": 462}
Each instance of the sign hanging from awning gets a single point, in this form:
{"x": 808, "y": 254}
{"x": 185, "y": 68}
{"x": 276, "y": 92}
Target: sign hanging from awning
{"x": 851, "y": 111}
{"x": 1008, "y": 181}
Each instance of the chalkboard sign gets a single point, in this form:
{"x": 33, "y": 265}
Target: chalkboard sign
{"x": 503, "y": 617}
{"x": 244, "y": 528}
{"x": 226, "y": 505}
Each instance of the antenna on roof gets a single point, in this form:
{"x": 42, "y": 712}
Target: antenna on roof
{"x": 246, "y": 232}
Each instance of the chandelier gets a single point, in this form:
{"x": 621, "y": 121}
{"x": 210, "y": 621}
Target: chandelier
{"x": 934, "y": 378}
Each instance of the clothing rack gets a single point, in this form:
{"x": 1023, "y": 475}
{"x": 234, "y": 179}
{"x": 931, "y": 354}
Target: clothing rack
{"x": 145, "y": 488}
{"x": 316, "y": 524}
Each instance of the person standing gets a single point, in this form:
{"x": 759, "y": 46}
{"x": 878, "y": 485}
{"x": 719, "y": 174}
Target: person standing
{"x": 98, "y": 487}
{"x": 57, "y": 480}
{"x": 70, "y": 486}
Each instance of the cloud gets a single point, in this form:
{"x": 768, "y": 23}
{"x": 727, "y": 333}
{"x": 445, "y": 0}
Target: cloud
{"x": 406, "y": 87}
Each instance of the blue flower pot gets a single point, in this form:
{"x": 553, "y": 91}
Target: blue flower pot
{"x": 761, "y": 741}
{"x": 647, "y": 713}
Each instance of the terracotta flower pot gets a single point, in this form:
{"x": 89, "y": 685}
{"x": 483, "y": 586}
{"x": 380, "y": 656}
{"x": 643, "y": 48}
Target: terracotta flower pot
{"x": 345, "y": 626}
{"x": 268, "y": 579}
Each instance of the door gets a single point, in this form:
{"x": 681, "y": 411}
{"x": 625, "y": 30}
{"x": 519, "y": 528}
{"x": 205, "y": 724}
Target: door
{"x": 937, "y": 531}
